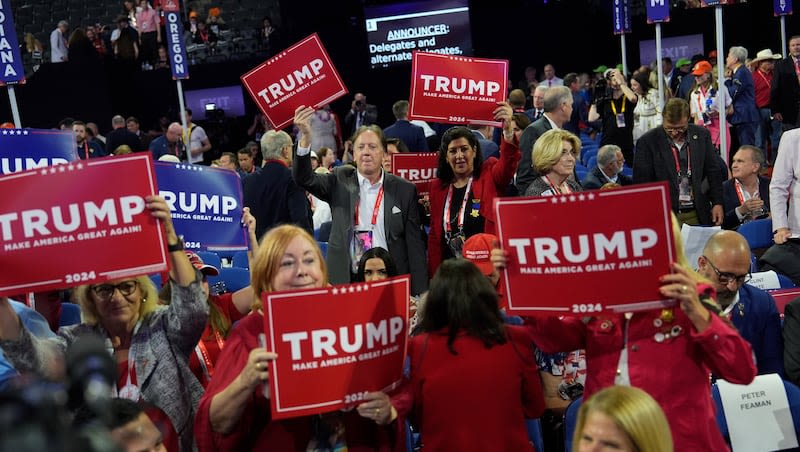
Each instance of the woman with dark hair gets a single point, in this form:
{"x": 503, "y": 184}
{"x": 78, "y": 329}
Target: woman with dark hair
{"x": 375, "y": 264}
{"x": 647, "y": 113}
{"x": 473, "y": 381}
{"x": 462, "y": 195}
{"x": 80, "y": 48}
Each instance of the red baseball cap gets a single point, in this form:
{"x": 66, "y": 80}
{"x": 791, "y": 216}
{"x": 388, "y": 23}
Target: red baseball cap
{"x": 478, "y": 250}
{"x": 701, "y": 68}
{"x": 197, "y": 262}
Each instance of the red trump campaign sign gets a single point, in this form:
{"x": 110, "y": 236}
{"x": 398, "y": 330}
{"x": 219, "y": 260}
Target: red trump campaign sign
{"x": 419, "y": 168}
{"x": 581, "y": 254}
{"x": 335, "y": 344}
{"x": 79, "y": 223}
{"x": 455, "y": 89}
{"x": 303, "y": 74}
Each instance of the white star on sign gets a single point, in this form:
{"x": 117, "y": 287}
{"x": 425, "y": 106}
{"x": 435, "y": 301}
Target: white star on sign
{"x": 590, "y": 196}
{"x": 80, "y": 165}
{"x": 581, "y": 197}
{"x": 563, "y": 199}
{"x": 572, "y": 198}
{"x": 554, "y": 200}
{"x": 61, "y": 168}
{"x": 335, "y": 291}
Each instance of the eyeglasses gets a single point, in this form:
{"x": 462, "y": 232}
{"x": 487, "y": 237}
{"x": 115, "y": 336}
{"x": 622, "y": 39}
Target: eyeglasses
{"x": 106, "y": 291}
{"x": 726, "y": 278}
{"x": 672, "y": 130}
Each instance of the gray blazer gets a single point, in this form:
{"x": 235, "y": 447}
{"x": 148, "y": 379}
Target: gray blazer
{"x": 400, "y": 216}
{"x": 161, "y": 348}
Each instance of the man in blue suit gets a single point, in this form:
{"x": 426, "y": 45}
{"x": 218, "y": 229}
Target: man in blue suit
{"x": 745, "y": 115}
{"x": 726, "y": 263}
{"x": 412, "y": 135}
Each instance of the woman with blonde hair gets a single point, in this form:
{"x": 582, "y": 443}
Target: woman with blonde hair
{"x": 150, "y": 343}
{"x": 704, "y": 103}
{"x": 234, "y": 413}
{"x": 624, "y": 418}
{"x": 554, "y": 156}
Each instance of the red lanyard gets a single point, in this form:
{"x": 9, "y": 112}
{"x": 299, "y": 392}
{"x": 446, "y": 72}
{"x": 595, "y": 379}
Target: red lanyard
{"x": 764, "y": 77}
{"x": 740, "y": 192}
{"x": 557, "y": 190}
{"x": 205, "y": 358}
{"x": 86, "y": 149}
{"x": 446, "y": 217}
{"x": 701, "y": 99}
{"x": 374, "y": 209}
{"x": 675, "y": 151}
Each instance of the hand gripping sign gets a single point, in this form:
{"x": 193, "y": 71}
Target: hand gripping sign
{"x": 455, "y": 89}
{"x": 24, "y": 149}
{"x": 303, "y": 74}
{"x": 586, "y": 253}
{"x": 335, "y": 344}
{"x": 419, "y": 168}
{"x": 206, "y": 205}
{"x": 79, "y": 223}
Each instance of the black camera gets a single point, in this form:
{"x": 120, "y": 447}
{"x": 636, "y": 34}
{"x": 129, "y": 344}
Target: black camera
{"x": 359, "y": 103}
{"x": 601, "y": 91}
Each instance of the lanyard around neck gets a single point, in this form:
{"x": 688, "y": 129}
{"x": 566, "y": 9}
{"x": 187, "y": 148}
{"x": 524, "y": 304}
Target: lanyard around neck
{"x": 375, "y": 209}
{"x": 447, "y": 207}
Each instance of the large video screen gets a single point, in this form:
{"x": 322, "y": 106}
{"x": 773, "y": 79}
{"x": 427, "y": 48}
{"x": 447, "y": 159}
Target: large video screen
{"x": 396, "y": 30}
{"x": 229, "y": 99}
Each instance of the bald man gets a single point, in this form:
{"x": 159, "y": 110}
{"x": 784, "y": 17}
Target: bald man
{"x": 170, "y": 143}
{"x": 726, "y": 263}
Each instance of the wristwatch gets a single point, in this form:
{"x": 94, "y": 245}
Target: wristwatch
{"x": 175, "y": 247}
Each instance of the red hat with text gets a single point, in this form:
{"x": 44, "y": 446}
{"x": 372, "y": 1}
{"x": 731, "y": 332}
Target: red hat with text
{"x": 478, "y": 250}
{"x": 197, "y": 262}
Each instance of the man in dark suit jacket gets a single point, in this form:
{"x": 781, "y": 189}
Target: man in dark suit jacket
{"x": 121, "y": 135}
{"x": 557, "y": 111}
{"x": 358, "y": 193}
{"x": 693, "y": 162}
{"x": 743, "y": 93}
{"x": 411, "y": 135}
{"x": 361, "y": 114}
{"x": 725, "y": 263}
{"x": 488, "y": 147}
{"x": 746, "y": 195}
{"x": 608, "y": 169}
{"x": 272, "y": 195}
{"x": 784, "y": 99}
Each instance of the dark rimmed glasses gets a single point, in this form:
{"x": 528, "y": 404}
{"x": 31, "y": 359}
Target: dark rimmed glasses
{"x": 106, "y": 291}
{"x": 726, "y": 278}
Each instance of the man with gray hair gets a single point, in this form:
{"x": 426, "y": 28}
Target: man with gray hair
{"x": 121, "y": 135}
{"x": 743, "y": 93}
{"x": 557, "y": 111}
{"x": 272, "y": 195}
{"x": 608, "y": 169}
{"x": 411, "y": 135}
{"x": 58, "y": 43}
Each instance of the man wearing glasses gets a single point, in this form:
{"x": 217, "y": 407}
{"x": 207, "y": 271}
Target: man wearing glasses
{"x": 726, "y": 264}
{"x": 682, "y": 155}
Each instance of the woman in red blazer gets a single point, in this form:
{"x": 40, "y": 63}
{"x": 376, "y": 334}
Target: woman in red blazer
{"x": 461, "y": 197}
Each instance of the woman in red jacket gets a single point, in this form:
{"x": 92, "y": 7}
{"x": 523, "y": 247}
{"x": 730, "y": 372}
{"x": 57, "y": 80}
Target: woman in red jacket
{"x": 473, "y": 380}
{"x": 461, "y": 197}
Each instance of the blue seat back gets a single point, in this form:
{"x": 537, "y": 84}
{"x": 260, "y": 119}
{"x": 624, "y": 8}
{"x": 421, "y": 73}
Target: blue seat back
{"x": 234, "y": 278}
{"x": 70, "y": 314}
{"x": 785, "y": 281}
{"x": 323, "y": 246}
{"x": 570, "y": 422}
{"x": 758, "y": 233}
{"x": 240, "y": 260}
{"x": 210, "y": 258}
{"x": 535, "y": 435}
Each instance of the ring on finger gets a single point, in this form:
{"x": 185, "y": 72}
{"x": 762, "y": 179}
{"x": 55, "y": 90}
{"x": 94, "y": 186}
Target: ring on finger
{"x": 684, "y": 289}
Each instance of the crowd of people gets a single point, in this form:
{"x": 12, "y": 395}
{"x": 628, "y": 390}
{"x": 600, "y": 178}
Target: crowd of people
{"x": 197, "y": 371}
{"x": 138, "y": 35}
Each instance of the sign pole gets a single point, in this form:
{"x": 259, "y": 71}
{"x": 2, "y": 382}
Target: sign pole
{"x": 660, "y": 68}
{"x": 12, "y": 99}
{"x": 723, "y": 94}
{"x": 783, "y": 35}
{"x": 181, "y": 104}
